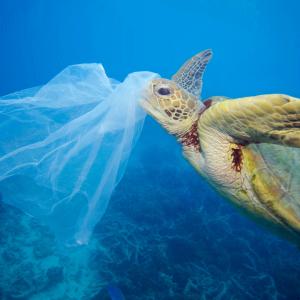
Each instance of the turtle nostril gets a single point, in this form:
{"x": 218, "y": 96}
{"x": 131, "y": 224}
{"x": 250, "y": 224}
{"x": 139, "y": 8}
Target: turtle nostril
{"x": 164, "y": 91}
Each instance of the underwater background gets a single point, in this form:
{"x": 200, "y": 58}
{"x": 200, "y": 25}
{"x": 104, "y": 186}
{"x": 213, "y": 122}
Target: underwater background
{"x": 166, "y": 234}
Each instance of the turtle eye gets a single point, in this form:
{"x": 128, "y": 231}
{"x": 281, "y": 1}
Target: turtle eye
{"x": 164, "y": 91}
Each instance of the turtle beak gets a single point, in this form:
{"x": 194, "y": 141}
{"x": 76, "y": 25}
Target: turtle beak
{"x": 148, "y": 105}
{"x": 145, "y": 101}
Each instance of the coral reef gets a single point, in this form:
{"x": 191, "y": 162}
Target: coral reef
{"x": 166, "y": 235}
{"x": 33, "y": 268}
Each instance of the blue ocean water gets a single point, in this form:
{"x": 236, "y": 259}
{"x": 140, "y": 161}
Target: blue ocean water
{"x": 166, "y": 234}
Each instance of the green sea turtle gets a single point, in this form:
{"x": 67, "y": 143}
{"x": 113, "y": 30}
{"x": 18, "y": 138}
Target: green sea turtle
{"x": 247, "y": 148}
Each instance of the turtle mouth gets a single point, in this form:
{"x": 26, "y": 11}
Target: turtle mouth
{"x": 145, "y": 103}
{"x": 151, "y": 108}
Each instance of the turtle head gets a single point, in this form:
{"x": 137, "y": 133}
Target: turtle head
{"x": 175, "y": 103}
{"x": 172, "y": 106}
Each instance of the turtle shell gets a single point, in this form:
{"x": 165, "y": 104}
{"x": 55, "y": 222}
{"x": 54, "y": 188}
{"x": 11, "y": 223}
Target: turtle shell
{"x": 275, "y": 180}
{"x": 284, "y": 164}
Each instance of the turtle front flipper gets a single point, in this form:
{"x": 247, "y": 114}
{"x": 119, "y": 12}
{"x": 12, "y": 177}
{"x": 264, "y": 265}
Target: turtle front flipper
{"x": 271, "y": 119}
{"x": 189, "y": 76}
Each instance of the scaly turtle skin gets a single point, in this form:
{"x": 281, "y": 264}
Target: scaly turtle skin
{"x": 247, "y": 148}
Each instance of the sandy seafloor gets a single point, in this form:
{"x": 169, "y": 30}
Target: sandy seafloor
{"x": 166, "y": 233}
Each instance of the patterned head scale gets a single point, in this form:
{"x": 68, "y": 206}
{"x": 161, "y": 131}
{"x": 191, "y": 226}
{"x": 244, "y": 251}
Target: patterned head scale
{"x": 189, "y": 76}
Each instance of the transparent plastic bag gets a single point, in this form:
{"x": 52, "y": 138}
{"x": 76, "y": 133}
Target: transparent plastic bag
{"x": 64, "y": 146}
